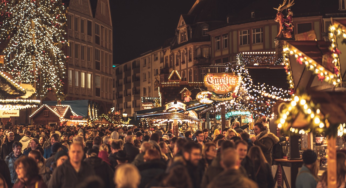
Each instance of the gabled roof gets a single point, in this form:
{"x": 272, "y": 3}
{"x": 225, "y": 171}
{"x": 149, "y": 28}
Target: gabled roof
{"x": 9, "y": 86}
{"x": 313, "y": 49}
{"x": 59, "y": 110}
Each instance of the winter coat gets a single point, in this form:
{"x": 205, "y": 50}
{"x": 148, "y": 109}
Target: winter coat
{"x": 266, "y": 143}
{"x": 149, "y": 171}
{"x": 31, "y": 183}
{"x": 5, "y": 172}
{"x": 247, "y": 164}
{"x": 104, "y": 156}
{"x": 48, "y": 151}
{"x": 17, "y": 137}
{"x": 44, "y": 172}
{"x": 232, "y": 178}
{"x": 264, "y": 177}
{"x": 113, "y": 160}
{"x": 25, "y": 142}
{"x": 6, "y": 149}
{"x": 131, "y": 151}
{"x": 65, "y": 176}
{"x": 10, "y": 159}
{"x": 102, "y": 170}
{"x": 212, "y": 171}
{"x": 305, "y": 179}
{"x": 139, "y": 159}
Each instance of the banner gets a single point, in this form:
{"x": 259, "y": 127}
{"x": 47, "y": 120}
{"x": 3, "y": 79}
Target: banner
{"x": 9, "y": 113}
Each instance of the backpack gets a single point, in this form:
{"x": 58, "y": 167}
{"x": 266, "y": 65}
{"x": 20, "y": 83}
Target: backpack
{"x": 277, "y": 151}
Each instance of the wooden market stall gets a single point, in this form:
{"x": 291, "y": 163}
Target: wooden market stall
{"x": 58, "y": 114}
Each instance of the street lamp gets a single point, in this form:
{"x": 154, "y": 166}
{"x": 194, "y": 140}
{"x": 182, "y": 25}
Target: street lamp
{"x": 125, "y": 116}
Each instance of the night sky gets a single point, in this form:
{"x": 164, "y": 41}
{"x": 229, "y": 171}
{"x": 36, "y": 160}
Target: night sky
{"x": 143, "y": 25}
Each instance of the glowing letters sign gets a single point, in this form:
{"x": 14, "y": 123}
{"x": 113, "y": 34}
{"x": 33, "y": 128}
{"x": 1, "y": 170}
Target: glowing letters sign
{"x": 221, "y": 83}
{"x": 204, "y": 97}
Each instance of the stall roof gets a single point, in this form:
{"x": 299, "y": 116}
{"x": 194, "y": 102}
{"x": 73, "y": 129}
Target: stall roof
{"x": 80, "y": 107}
{"x": 332, "y": 104}
{"x": 9, "y": 86}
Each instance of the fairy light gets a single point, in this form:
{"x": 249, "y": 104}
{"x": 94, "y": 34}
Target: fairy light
{"x": 36, "y": 31}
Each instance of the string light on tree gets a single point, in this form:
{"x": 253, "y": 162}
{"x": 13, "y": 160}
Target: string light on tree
{"x": 35, "y": 31}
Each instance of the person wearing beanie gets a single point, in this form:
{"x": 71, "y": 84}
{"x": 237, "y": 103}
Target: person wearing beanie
{"x": 307, "y": 176}
{"x": 55, "y": 148}
{"x": 60, "y": 157}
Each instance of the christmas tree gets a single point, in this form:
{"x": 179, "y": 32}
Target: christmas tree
{"x": 35, "y": 31}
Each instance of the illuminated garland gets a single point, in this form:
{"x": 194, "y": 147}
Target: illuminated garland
{"x": 301, "y": 104}
{"x": 35, "y": 30}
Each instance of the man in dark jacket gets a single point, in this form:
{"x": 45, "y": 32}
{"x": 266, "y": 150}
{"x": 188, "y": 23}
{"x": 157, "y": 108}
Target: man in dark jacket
{"x": 246, "y": 163}
{"x": 215, "y": 168}
{"x": 102, "y": 169}
{"x": 140, "y": 157}
{"x": 231, "y": 177}
{"x": 5, "y": 172}
{"x": 11, "y": 158}
{"x": 73, "y": 171}
{"x": 7, "y": 145}
{"x": 115, "y": 148}
{"x": 33, "y": 145}
{"x": 130, "y": 150}
{"x": 190, "y": 159}
{"x": 48, "y": 150}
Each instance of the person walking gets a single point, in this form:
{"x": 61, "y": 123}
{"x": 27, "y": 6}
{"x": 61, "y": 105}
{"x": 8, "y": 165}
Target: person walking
{"x": 265, "y": 140}
{"x": 115, "y": 148}
{"x": 130, "y": 150}
{"x": 101, "y": 168}
{"x": 25, "y": 140}
{"x": 11, "y": 158}
{"x": 307, "y": 175}
{"x": 28, "y": 174}
{"x": 140, "y": 157}
{"x": 73, "y": 171}
{"x": 127, "y": 176}
{"x": 340, "y": 173}
{"x": 33, "y": 145}
{"x": 231, "y": 177}
{"x": 263, "y": 172}
{"x": 43, "y": 171}
{"x": 241, "y": 147}
{"x": 6, "y": 147}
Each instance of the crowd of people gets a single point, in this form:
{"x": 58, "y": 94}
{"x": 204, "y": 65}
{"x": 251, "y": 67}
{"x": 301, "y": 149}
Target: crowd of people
{"x": 131, "y": 157}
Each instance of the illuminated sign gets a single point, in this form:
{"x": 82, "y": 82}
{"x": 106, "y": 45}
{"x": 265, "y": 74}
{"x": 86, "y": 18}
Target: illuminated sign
{"x": 234, "y": 113}
{"x": 147, "y": 105}
{"x": 204, "y": 97}
{"x": 221, "y": 83}
{"x": 9, "y": 113}
{"x": 193, "y": 114}
{"x": 175, "y": 106}
{"x": 30, "y": 90}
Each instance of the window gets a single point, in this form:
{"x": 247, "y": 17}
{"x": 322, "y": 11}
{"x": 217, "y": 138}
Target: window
{"x": 69, "y": 21}
{"x": 217, "y": 43}
{"x": 70, "y": 78}
{"x": 89, "y": 27}
{"x": 342, "y": 4}
{"x": 97, "y": 60}
{"x": 183, "y": 75}
{"x": 82, "y": 26}
{"x": 183, "y": 37}
{"x": 71, "y": 47}
{"x": 82, "y": 48}
{"x": 190, "y": 75}
{"x": 305, "y": 27}
{"x": 204, "y": 31}
{"x": 149, "y": 90}
{"x": 82, "y": 80}
{"x": 89, "y": 81}
{"x": 76, "y": 24}
{"x": 156, "y": 72}
{"x": 97, "y": 34}
{"x": 244, "y": 37}
{"x": 257, "y": 36}
{"x": 171, "y": 63}
{"x": 144, "y": 77}
{"x": 46, "y": 113}
{"x": 76, "y": 50}
{"x": 98, "y": 85}
{"x": 156, "y": 57}
{"x": 149, "y": 77}
{"x": 76, "y": 80}
{"x": 144, "y": 62}
{"x": 103, "y": 8}
{"x": 183, "y": 59}
{"x": 190, "y": 54}
{"x": 225, "y": 41}
{"x": 144, "y": 91}
{"x": 177, "y": 59}
{"x": 88, "y": 54}
{"x": 166, "y": 61}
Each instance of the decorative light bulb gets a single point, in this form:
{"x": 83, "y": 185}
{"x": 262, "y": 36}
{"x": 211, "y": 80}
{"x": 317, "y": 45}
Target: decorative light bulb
{"x": 321, "y": 125}
{"x": 317, "y": 120}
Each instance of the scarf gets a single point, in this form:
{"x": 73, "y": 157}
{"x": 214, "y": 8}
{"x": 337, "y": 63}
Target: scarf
{"x": 261, "y": 134}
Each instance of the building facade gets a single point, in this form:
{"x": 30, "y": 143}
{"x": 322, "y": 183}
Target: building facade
{"x": 90, "y": 51}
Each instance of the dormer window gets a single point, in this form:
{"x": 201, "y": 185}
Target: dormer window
{"x": 183, "y": 36}
{"x": 342, "y": 4}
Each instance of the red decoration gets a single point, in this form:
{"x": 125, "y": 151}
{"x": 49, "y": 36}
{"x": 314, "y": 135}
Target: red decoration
{"x": 336, "y": 70}
{"x": 300, "y": 59}
{"x": 292, "y": 91}
{"x": 321, "y": 77}
{"x": 337, "y": 51}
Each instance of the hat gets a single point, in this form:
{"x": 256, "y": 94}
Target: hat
{"x": 309, "y": 157}
{"x": 55, "y": 147}
{"x": 60, "y": 154}
{"x": 121, "y": 155}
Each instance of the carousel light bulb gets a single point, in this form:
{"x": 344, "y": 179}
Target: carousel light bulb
{"x": 296, "y": 98}
{"x": 312, "y": 115}
{"x": 318, "y": 111}
{"x": 302, "y": 102}
{"x": 309, "y": 111}
{"x": 293, "y": 103}
{"x": 279, "y": 125}
{"x": 321, "y": 125}
{"x": 317, "y": 120}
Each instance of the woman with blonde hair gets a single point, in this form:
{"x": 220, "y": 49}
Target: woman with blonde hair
{"x": 103, "y": 153}
{"x": 231, "y": 133}
{"x": 127, "y": 176}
